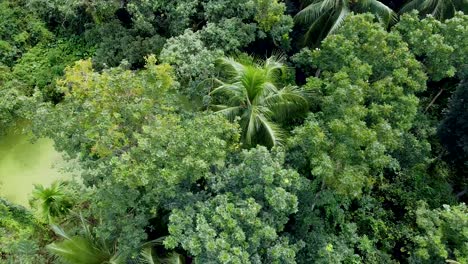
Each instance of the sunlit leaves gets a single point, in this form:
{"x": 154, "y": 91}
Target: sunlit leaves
{"x": 444, "y": 234}
{"x": 439, "y": 45}
{"x": 101, "y": 111}
{"x": 241, "y": 223}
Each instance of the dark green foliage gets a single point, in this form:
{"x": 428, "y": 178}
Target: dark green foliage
{"x": 453, "y": 130}
{"x": 14, "y": 105}
{"x": 41, "y": 65}
{"x": 183, "y": 157}
{"x": 366, "y": 149}
{"x": 228, "y": 35}
{"x": 116, "y": 43}
{"x": 22, "y": 237}
{"x": 366, "y": 101}
{"x": 19, "y": 31}
{"x": 192, "y": 60}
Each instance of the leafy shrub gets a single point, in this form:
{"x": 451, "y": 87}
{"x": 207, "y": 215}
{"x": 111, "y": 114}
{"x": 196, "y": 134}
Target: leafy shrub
{"x": 115, "y": 43}
{"x": 444, "y": 234}
{"x": 22, "y": 238}
{"x": 19, "y": 31}
{"x": 43, "y": 64}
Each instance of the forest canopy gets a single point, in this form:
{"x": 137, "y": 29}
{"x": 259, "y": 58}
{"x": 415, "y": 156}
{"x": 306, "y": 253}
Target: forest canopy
{"x": 242, "y": 131}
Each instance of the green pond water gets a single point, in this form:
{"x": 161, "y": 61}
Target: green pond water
{"x": 23, "y": 164}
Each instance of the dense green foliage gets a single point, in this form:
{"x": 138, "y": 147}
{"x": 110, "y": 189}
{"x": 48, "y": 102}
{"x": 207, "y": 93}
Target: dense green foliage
{"x": 22, "y": 237}
{"x": 452, "y": 131}
{"x": 205, "y": 131}
{"x": 19, "y": 31}
{"x": 441, "y": 228}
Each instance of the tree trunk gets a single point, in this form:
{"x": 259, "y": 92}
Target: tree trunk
{"x": 433, "y": 100}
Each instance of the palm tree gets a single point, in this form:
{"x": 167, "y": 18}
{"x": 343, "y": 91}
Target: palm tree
{"x": 87, "y": 249}
{"x": 324, "y": 17}
{"x": 440, "y": 9}
{"x": 53, "y": 202}
{"x": 83, "y": 249}
{"x": 251, "y": 92}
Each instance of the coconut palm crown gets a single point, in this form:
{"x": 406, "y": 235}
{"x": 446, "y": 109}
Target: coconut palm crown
{"x": 324, "y": 17}
{"x": 251, "y": 92}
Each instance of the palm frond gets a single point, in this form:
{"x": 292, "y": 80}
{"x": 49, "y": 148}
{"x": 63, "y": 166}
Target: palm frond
{"x": 229, "y": 112}
{"x": 149, "y": 256}
{"x": 412, "y": 5}
{"x": 288, "y": 95}
{"x": 267, "y": 90}
{"x": 232, "y": 90}
{"x": 253, "y": 95}
{"x": 82, "y": 249}
{"x": 288, "y": 102}
{"x": 79, "y": 250}
{"x": 117, "y": 259}
{"x": 251, "y": 126}
{"x": 53, "y": 201}
{"x": 321, "y": 25}
{"x": 313, "y": 11}
{"x": 274, "y": 66}
{"x": 344, "y": 12}
{"x": 155, "y": 242}
{"x": 172, "y": 258}
{"x": 229, "y": 66}
{"x": 146, "y": 256}
{"x": 326, "y": 16}
{"x": 273, "y": 133}
{"x": 386, "y": 15}
{"x": 59, "y": 231}
{"x": 440, "y": 9}
{"x": 252, "y": 82}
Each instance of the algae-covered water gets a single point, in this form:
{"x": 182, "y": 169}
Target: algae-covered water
{"x": 23, "y": 164}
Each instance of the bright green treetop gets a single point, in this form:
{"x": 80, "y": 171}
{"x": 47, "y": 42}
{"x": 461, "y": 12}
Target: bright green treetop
{"x": 253, "y": 92}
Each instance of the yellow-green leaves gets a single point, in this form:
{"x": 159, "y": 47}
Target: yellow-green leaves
{"x": 444, "y": 234}
{"x": 106, "y": 109}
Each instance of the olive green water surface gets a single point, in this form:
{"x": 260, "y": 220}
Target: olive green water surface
{"x": 23, "y": 164}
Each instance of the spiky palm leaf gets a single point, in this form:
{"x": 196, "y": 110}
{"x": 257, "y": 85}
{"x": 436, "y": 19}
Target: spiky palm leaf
{"x": 148, "y": 256}
{"x": 250, "y": 91}
{"x": 324, "y": 17}
{"x": 440, "y": 9}
{"x": 53, "y": 201}
{"x": 87, "y": 249}
{"x": 81, "y": 249}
